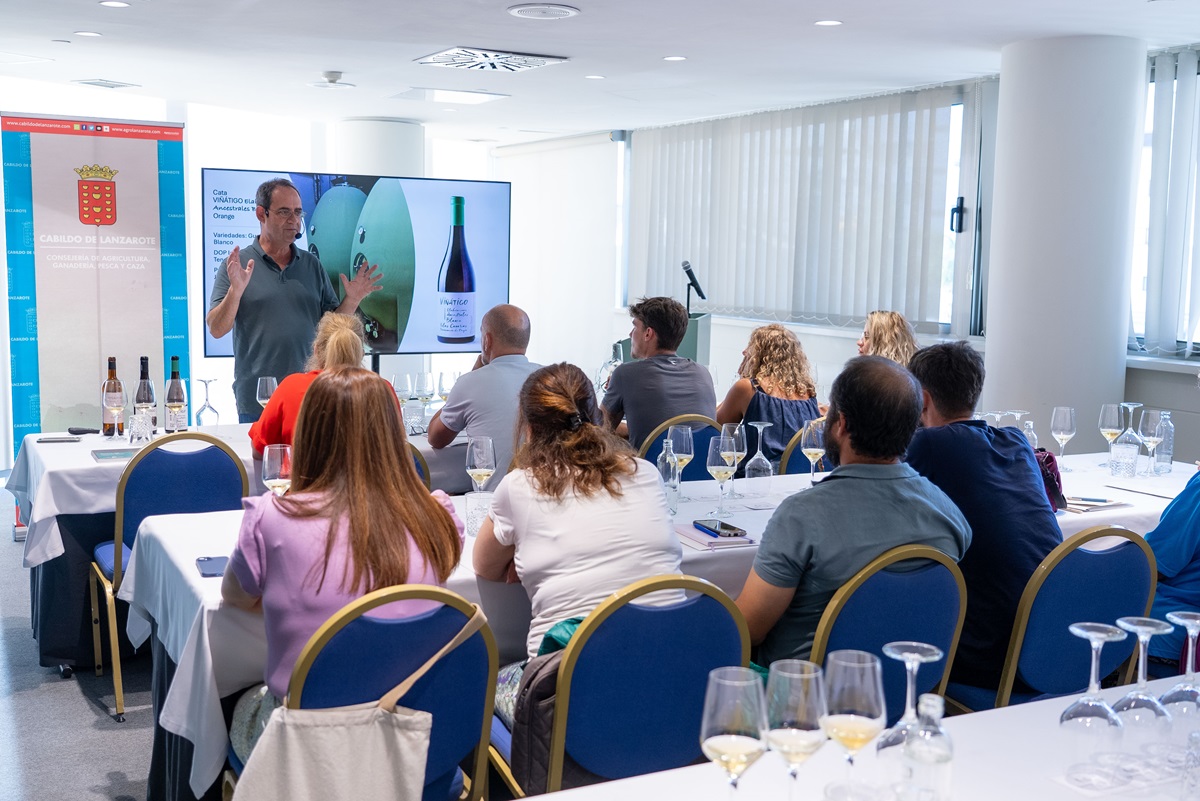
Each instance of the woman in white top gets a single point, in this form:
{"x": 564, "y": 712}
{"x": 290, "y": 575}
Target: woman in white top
{"x": 579, "y": 516}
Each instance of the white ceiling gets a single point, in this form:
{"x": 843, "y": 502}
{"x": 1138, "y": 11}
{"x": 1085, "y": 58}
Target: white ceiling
{"x": 261, "y": 54}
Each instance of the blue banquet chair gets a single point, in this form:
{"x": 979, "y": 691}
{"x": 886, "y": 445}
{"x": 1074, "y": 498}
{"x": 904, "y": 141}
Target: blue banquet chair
{"x": 703, "y": 430}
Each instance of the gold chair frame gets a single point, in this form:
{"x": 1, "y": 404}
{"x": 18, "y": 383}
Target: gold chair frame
{"x": 677, "y": 420}
{"x": 419, "y": 458}
{"x": 97, "y": 578}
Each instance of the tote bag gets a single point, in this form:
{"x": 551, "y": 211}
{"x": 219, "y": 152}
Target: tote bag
{"x": 373, "y": 751}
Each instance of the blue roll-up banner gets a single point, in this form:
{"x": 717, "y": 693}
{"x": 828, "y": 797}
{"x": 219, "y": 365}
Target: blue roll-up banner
{"x": 94, "y": 216}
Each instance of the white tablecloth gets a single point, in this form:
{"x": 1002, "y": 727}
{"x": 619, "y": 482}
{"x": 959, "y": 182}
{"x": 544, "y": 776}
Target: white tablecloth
{"x": 50, "y": 479}
{"x": 1145, "y": 497}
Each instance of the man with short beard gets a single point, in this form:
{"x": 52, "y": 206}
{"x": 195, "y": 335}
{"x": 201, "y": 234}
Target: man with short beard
{"x": 872, "y": 502}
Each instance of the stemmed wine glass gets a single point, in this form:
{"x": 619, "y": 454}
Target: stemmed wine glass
{"x": 445, "y": 384}
{"x": 912, "y": 654}
{"x": 1062, "y": 428}
{"x": 426, "y": 392}
{"x": 759, "y": 466}
{"x": 1091, "y": 716}
{"x": 266, "y": 388}
{"x": 737, "y": 433}
{"x": 856, "y": 710}
{"x": 207, "y": 414}
{"x": 481, "y": 461}
{"x": 1110, "y": 424}
{"x": 721, "y": 466}
{"x": 403, "y": 386}
{"x": 1017, "y": 415}
{"x": 114, "y": 398}
{"x": 1150, "y": 429}
{"x": 812, "y": 443}
{"x": 795, "y": 706}
{"x": 1184, "y": 697}
{"x": 732, "y": 729}
{"x": 681, "y": 443}
{"x": 277, "y": 469}
{"x": 1138, "y": 706}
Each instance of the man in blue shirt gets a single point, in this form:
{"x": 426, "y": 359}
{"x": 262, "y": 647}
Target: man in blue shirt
{"x": 1176, "y": 545}
{"x": 993, "y": 477}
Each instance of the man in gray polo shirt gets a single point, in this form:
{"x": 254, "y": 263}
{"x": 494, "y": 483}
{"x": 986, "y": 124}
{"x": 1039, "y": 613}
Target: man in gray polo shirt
{"x": 483, "y": 403}
{"x": 661, "y": 384}
{"x": 872, "y": 502}
{"x": 273, "y": 310}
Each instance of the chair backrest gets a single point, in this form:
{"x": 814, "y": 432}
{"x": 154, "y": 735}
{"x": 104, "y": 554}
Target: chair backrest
{"x": 162, "y": 481}
{"x": 631, "y": 684}
{"x": 421, "y": 465}
{"x": 703, "y": 430}
{"x": 353, "y": 658}
{"x": 925, "y": 602}
{"x": 793, "y": 460}
{"x": 1073, "y": 585}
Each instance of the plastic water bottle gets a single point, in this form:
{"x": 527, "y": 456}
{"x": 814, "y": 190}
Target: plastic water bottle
{"x": 1165, "y": 452}
{"x": 927, "y": 755}
{"x": 668, "y": 468}
{"x": 1030, "y": 434}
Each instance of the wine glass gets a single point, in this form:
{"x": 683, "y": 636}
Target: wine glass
{"x": 1110, "y": 424}
{"x": 403, "y": 386}
{"x": 277, "y": 469}
{"x": 681, "y": 442}
{"x": 207, "y": 415}
{"x": 737, "y": 433}
{"x": 912, "y": 654}
{"x": 734, "y": 722}
{"x": 1017, "y": 415}
{"x": 266, "y": 388}
{"x": 1090, "y": 718}
{"x": 856, "y": 711}
{"x": 1062, "y": 428}
{"x": 795, "y": 706}
{"x": 759, "y": 466}
{"x": 1184, "y": 698}
{"x": 445, "y": 384}
{"x": 425, "y": 390}
{"x": 812, "y": 443}
{"x": 1138, "y": 707}
{"x": 481, "y": 461}
{"x": 1150, "y": 429}
{"x": 721, "y": 466}
{"x": 114, "y": 399}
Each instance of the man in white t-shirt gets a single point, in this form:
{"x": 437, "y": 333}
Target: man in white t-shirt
{"x": 483, "y": 403}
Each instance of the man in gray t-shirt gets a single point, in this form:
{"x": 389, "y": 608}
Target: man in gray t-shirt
{"x": 273, "y": 311}
{"x": 483, "y": 403}
{"x": 661, "y": 384}
{"x": 818, "y": 539}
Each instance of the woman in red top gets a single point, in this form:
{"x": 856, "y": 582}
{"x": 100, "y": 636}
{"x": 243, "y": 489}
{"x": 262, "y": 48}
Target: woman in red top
{"x": 338, "y": 344}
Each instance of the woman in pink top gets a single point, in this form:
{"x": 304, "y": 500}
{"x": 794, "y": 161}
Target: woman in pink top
{"x": 357, "y": 519}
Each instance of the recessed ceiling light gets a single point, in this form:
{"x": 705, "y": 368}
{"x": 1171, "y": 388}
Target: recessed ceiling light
{"x": 828, "y": 23}
{"x": 87, "y": 33}
{"x": 114, "y": 3}
{"x": 544, "y": 11}
{"x": 675, "y": 58}
{"x": 594, "y": 77}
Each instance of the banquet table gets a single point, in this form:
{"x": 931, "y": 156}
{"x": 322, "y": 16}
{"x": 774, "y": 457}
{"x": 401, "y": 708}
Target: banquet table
{"x": 1017, "y": 752}
{"x": 1141, "y": 499}
{"x": 67, "y": 499}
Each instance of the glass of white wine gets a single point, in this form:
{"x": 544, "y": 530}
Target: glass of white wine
{"x": 812, "y": 443}
{"x": 445, "y": 384}
{"x": 856, "y": 712}
{"x": 1110, "y": 424}
{"x": 277, "y": 469}
{"x": 266, "y": 388}
{"x": 1062, "y": 428}
{"x": 737, "y": 433}
{"x": 481, "y": 461}
{"x": 734, "y": 723}
{"x": 426, "y": 391}
{"x": 795, "y": 706}
{"x": 681, "y": 442}
{"x": 114, "y": 399}
{"x": 1151, "y": 431}
{"x": 721, "y": 466}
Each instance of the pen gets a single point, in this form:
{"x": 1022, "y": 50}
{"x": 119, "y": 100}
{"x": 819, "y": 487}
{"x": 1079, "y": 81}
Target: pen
{"x": 1091, "y": 500}
{"x": 699, "y": 527}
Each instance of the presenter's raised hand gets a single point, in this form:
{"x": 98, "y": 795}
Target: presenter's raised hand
{"x": 239, "y": 277}
{"x": 365, "y": 281}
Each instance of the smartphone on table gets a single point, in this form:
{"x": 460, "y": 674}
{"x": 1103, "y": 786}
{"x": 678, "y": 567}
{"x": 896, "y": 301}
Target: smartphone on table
{"x": 718, "y": 528}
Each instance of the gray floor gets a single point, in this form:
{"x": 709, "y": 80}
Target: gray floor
{"x": 57, "y": 737}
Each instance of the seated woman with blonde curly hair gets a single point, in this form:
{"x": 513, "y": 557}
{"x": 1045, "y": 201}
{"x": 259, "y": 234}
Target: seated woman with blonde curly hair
{"x": 776, "y": 386}
{"x": 888, "y": 334}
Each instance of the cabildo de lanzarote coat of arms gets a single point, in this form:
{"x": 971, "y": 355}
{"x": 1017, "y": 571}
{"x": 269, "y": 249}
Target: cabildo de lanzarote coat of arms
{"x": 97, "y": 195}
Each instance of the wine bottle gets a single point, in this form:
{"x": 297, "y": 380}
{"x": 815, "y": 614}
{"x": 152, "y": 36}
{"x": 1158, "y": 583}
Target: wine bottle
{"x": 112, "y": 423}
{"x": 456, "y": 284}
{"x": 144, "y": 402}
{"x": 176, "y": 403}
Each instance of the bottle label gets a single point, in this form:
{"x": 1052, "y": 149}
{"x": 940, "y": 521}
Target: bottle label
{"x": 456, "y": 312}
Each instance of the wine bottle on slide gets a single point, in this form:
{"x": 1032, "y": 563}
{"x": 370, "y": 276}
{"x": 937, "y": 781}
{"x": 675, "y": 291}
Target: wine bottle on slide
{"x": 144, "y": 401}
{"x": 456, "y": 284}
{"x": 176, "y": 403}
{"x": 109, "y": 421}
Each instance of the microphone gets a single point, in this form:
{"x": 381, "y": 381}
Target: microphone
{"x": 692, "y": 282}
